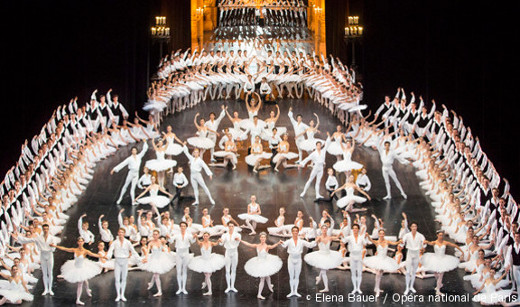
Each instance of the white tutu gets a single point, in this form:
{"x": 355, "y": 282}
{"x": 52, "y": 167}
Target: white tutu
{"x": 158, "y": 262}
{"x": 15, "y": 292}
{"x": 439, "y": 263}
{"x": 238, "y": 134}
{"x": 288, "y": 156}
{"x": 381, "y": 262}
{"x": 345, "y": 166}
{"x": 159, "y": 201}
{"x": 283, "y": 231}
{"x": 160, "y": 165}
{"x": 310, "y": 144}
{"x": 249, "y": 124}
{"x": 207, "y": 263}
{"x": 490, "y": 296}
{"x": 109, "y": 264}
{"x": 201, "y": 142}
{"x": 79, "y": 269}
{"x": 253, "y": 158}
{"x": 344, "y": 201}
{"x": 263, "y": 265}
{"x": 324, "y": 259}
{"x": 174, "y": 149}
{"x": 253, "y": 217}
{"x": 335, "y": 149}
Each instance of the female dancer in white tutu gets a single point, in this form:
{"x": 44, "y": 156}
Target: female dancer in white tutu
{"x": 227, "y": 218}
{"x": 438, "y": 262}
{"x": 229, "y": 154}
{"x": 284, "y": 155}
{"x": 253, "y": 105}
{"x": 157, "y": 261}
{"x": 172, "y": 149}
{"x": 381, "y": 262}
{"x": 160, "y": 164}
{"x": 236, "y": 131}
{"x": 79, "y": 270}
{"x": 202, "y": 141}
{"x": 271, "y": 124}
{"x": 310, "y": 143}
{"x": 335, "y": 148}
{"x": 257, "y": 155}
{"x": 347, "y": 165}
{"x": 264, "y": 264}
{"x": 253, "y": 216}
{"x": 208, "y": 262}
{"x": 207, "y": 225}
{"x": 280, "y": 228}
{"x": 324, "y": 259}
{"x": 350, "y": 199}
{"x": 16, "y": 289}
{"x": 488, "y": 294}
{"x": 154, "y": 199}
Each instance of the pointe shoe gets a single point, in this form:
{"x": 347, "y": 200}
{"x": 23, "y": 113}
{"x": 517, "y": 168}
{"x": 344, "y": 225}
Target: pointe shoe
{"x": 260, "y": 297}
{"x": 439, "y": 293}
{"x": 178, "y": 292}
{"x": 276, "y": 169}
{"x": 271, "y": 287}
{"x": 318, "y": 279}
{"x": 387, "y": 197}
{"x": 203, "y": 285}
{"x": 413, "y": 290}
{"x": 78, "y": 302}
{"x": 123, "y": 298}
{"x": 227, "y": 290}
{"x": 252, "y": 233}
{"x": 377, "y": 293}
{"x": 51, "y": 293}
{"x": 207, "y": 293}
{"x": 89, "y": 292}
{"x": 150, "y": 285}
{"x": 255, "y": 171}
{"x": 324, "y": 290}
{"x": 158, "y": 294}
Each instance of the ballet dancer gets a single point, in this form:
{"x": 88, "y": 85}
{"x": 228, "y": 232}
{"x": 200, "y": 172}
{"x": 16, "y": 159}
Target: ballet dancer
{"x": 212, "y": 125}
{"x": 182, "y": 241}
{"x": 253, "y": 216}
{"x": 284, "y": 154}
{"x": 43, "y": 241}
{"x": 264, "y": 264}
{"x": 230, "y": 240}
{"x": 196, "y": 166}
{"x": 208, "y": 262}
{"x": 414, "y": 242}
{"x": 79, "y": 270}
{"x": 295, "y": 247}
{"x": 121, "y": 249}
{"x": 257, "y": 155}
{"x": 154, "y": 199}
{"x": 318, "y": 163}
{"x": 331, "y": 184}
{"x": 388, "y": 156}
{"x": 350, "y": 199}
{"x": 133, "y": 162}
{"x": 299, "y": 129}
{"x": 356, "y": 246}
{"x": 160, "y": 164}
{"x": 381, "y": 262}
{"x": 179, "y": 182}
{"x": 157, "y": 261}
{"x": 17, "y": 291}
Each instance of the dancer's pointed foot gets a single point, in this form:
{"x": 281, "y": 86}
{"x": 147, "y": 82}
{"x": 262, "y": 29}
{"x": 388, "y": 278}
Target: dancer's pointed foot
{"x": 318, "y": 279}
{"x": 158, "y": 294}
{"x": 324, "y": 290}
{"x": 78, "y": 302}
{"x": 413, "y": 290}
{"x": 89, "y": 292}
{"x": 203, "y": 285}
{"x": 150, "y": 285}
{"x": 270, "y": 286}
{"x": 404, "y": 195}
{"x": 207, "y": 293}
{"x": 260, "y": 297}
{"x": 387, "y": 197}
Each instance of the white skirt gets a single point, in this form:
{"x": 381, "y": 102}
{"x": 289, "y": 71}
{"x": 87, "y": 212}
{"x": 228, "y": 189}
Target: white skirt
{"x": 201, "y": 142}
{"x": 439, "y": 263}
{"x": 253, "y": 217}
{"x": 310, "y": 144}
{"x": 288, "y": 156}
{"x": 74, "y": 274}
{"x": 381, "y": 262}
{"x": 15, "y": 295}
{"x": 344, "y": 201}
{"x": 159, "y": 201}
{"x": 159, "y": 264}
{"x": 173, "y": 149}
{"x": 160, "y": 165}
{"x": 335, "y": 149}
{"x": 202, "y": 264}
{"x": 238, "y": 134}
{"x": 324, "y": 260}
{"x": 346, "y": 166}
{"x": 263, "y": 266}
{"x": 253, "y": 158}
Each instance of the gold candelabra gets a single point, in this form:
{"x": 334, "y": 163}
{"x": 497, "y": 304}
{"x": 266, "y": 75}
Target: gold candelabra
{"x": 160, "y": 29}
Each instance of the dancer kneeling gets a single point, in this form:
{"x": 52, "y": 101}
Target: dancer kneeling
{"x": 350, "y": 199}
{"x": 264, "y": 265}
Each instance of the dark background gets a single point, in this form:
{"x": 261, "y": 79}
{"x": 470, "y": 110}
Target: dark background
{"x": 462, "y": 54}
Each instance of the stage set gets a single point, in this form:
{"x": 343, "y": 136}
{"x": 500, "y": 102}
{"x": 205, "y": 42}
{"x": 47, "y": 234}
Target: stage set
{"x": 256, "y": 174}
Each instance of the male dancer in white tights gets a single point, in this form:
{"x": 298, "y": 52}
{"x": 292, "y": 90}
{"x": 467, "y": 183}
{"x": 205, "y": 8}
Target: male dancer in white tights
{"x": 388, "y": 156}
{"x": 196, "y": 166}
{"x": 133, "y": 162}
{"x": 213, "y": 124}
{"x": 182, "y": 241}
{"x": 294, "y": 262}
{"x": 414, "y": 242}
{"x": 231, "y": 240}
{"x": 318, "y": 159}
{"x": 121, "y": 249}
{"x": 356, "y": 243}
{"x": 299, "y": 129}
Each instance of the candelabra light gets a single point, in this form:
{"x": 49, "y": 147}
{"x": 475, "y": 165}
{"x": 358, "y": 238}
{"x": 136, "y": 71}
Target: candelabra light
{"x": 353, "y": 32}
{"x": 160, "y": 30}
{"x": 199, "y": 13}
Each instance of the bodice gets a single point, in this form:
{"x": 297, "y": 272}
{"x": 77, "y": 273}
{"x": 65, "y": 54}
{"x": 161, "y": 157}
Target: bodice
{"x": 252, "y": 114}
{"x": 347, "y": 155}
{"x": 350, "y": 191}
{"x": 205, "y": 253}
{"x": 324, "y": 247}
{"x": 203, "y": 133}
{"x": 310, "y": 135}
{"x": 262, "y": 253}
{"x": 78, "y": 261}
{"x": 154, "y": 192}
{"x": 440, "y": 250}
{"x": 382, "y": 250}
{"x": 160, "y": 155}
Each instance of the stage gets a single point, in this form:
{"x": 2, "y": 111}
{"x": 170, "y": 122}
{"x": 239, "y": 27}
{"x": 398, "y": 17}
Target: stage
{"x": 232, "y": 189}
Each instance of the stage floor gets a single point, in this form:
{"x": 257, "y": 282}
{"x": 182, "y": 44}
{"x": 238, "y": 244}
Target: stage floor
{"x": 232, "y": 189}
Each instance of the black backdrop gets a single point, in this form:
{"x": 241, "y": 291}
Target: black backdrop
{"x": 459, "y": 53}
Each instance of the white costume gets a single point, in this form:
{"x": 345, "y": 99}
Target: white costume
{"x": 196, "y": 166}
{"x": 182, "y": 246}
{"x": 414, "y": 245}
{"x": 294, "y": 262}
{"x": 133, "y": 163}
{"x": 231, "y": 242}
{"x": 121, "y": 252}
{"x": 318, "y": 160}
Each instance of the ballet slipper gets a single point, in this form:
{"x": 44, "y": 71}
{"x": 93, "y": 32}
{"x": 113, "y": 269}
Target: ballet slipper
{"x": 260, "y": 297}
{"x": 89, "y": 292}
{"x": 318, "y": 279}
{"x": 324, "y": 290}
{"x": 207, "y": 293}
{"x": 78, "y": 302}
{"x": 203, "y": 285}
{"x": 158, "y": 294}
{"x": 270, "y": 287}
{"x": 150, "y": 285}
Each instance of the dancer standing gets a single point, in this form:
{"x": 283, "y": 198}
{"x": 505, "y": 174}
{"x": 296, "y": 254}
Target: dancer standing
{"x": 356, "y": 246}
{"x": 318, "y": 163}
{"x": 179, "y": 182}
{"x": 133, "y": 162}
{"x": 295, "y": 247}
{"x": 208, "y": 262}
{"x": 414, "y": 242}
{"x": 231, "y": 240}
{"x": 196, "y": 166}
{"x": 182, "y": 241}
{"x": 264, "y": 264}
{"x": 121, "y": 248}
{"x": 381, "y": 262}
{"x": 388, "y": 156}
{"x": 299, "y": 129}
{"x": 157, "y": 261}
{"x": 212, "y": 125}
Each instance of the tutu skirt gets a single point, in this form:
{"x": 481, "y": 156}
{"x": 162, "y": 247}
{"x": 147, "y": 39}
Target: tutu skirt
{"x": 346, "y": 166}
{"x": 15, "y": 295}
{"x": 344, "y": 201}
{"x": 159, "y": 201}
{"x": 439, "y": 263}
{"x": 288, "y": 156}
{"x": 253, "y": 217}
{"x": 253, "y": 158}
{"x": 383, "y": 263}
{"x": 160, "y": 165}
{"x": 335, "y": 149}
{"x": 74, "y": 274}
{"x": 263, "y": 266}
{"x": 173, "y": 149}
{"x": 310, "y": 144}
{"x": 201, "y": 142}
{"x": 159, "y": 263}
{"x": 207, "y": 264}
{"x": 324, "y": 260}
